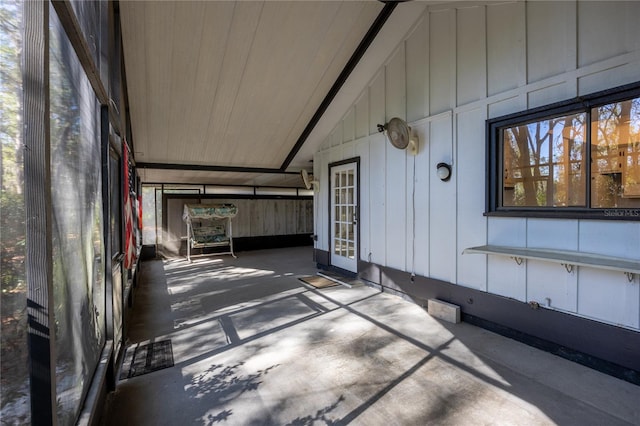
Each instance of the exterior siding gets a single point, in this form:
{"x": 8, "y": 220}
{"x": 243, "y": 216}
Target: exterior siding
{"x": 458, "y": 66}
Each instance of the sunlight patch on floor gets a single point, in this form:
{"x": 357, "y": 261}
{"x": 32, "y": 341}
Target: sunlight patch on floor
{"x": 178, "y": 263}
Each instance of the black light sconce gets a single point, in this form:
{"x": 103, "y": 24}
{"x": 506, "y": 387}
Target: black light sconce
{"x": 443, "y": 170}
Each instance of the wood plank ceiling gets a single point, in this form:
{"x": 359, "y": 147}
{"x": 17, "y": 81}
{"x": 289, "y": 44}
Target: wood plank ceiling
{"x": 232, "y": 83}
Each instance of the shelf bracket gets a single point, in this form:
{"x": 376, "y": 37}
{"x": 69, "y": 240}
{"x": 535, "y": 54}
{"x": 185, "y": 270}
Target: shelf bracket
{"x": 518, "y": 260}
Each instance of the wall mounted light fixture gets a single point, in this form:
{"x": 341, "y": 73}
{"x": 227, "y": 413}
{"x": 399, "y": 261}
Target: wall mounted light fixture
{"x": 443, "y": 170}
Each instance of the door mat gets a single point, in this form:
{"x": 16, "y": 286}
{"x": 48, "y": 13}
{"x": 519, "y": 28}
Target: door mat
{"x": 318, "y": 282}
{"x": 142, "y": 359}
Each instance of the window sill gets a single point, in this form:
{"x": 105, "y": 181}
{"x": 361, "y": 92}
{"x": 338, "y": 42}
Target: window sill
{"x": 590, "y": 214}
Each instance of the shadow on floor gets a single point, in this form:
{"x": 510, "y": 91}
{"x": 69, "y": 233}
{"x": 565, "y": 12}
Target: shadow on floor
{"x": 253, "y": 346}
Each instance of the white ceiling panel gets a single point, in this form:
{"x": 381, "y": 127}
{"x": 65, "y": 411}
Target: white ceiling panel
{"x": 234, "y": 83}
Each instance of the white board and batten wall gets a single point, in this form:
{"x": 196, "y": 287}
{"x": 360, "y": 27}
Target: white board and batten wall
{"x": 459, "y": 65}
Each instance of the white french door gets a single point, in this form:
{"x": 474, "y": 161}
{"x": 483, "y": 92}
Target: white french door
{"x": 344, "y": 216}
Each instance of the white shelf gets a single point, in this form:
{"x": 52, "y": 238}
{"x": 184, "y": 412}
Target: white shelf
{"x": 564, "y": 257}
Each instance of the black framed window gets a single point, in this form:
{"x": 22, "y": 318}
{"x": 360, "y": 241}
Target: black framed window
{"x": 578, "y": 158}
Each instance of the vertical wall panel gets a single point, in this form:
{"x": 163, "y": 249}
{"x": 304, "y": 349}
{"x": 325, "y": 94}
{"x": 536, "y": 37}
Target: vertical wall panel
{"x": 552, "y": 234}
{"x": 376, "y": 103}
{"x": 551, "y": 285}
{"x": 348, "y": 133}
{"x": 609, "y": 296}
{"x": 470, "y": 173}
{"x": 504, "y": 276}
{"x": 335, "y": 154}
{"x": 326, "y": 143}
{"x": 278, "y": 212}
{"x": 289, "y": 214}
{"x": 395, "y": 218}
{"x": 611, "y": 238}
{"x": 505, "y": 46}
{"x": 321, "y": 200}
{"x": 362, "y": 151}
{"x": 268, "y": 221}
{"x": 507, "y": 106}
{"x": 441, "y": 54}
{"x": 377, "y": 192}
{"x": 422, "y": 217}
{"x": 395, "y": 86}
{"x": 307, "y": 205}
{"x": 348, "y": 150}
{"x": 551, "y": 280}
{"x": 362, "y": 115}
{"x": 442, "y": 214}
{"x": 336, "y": 135}
{"x": 417, "y": 70}
{"x": 551, "y": 94}
{"x": 603, "y": 79}
{"x": 607, "y": 29}
{"x": 551, "y": 38}
{"x": 299, "y": 219}
{"x": 507, "y": 232}
{"x": 471, "y": 54}
{"x": 241, "y": 223}
{"x": 255, "y": 210}
{"x": 244, "y": 222}
{"x": 409, "y": 182}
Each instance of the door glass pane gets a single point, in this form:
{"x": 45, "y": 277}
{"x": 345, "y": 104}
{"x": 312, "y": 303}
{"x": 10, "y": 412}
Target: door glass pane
{"x": 344, "y": 195}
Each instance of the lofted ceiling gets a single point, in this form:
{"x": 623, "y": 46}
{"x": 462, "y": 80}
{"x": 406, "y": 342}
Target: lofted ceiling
{"x": 229, "y": 91}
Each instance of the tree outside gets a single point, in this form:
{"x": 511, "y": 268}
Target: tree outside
{"x": 14, "y": 378}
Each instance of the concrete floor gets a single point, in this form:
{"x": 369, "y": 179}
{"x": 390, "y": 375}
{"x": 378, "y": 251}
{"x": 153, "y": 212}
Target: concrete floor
{"x": 253, "y": 346}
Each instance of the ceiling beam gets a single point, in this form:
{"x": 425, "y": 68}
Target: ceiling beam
{"x": 346, "y": 72}
{"x": 209, "y": 168}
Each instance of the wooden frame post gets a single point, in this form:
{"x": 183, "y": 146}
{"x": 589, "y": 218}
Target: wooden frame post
{"x": 37, "y": 172}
